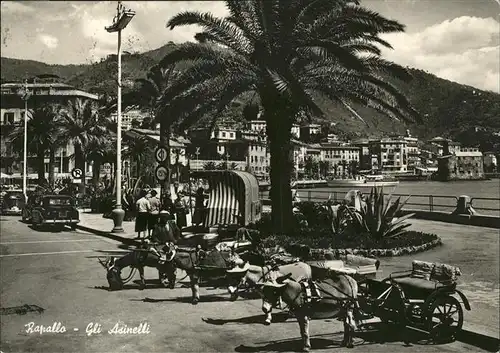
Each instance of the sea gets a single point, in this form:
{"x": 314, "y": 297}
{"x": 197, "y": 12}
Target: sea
{"x": 425, "y": 195}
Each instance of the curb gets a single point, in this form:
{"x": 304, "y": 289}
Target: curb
{"x": 488, "y": 343}
{"x": 108, "y": 235}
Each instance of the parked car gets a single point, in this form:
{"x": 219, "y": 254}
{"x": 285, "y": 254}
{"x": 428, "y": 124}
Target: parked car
{"x": 13, "y": 202}
{"x": 52, "y": 210}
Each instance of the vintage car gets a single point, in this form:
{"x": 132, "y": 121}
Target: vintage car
{"x": 12, "y": 203}
{"x": 52, "y": 210}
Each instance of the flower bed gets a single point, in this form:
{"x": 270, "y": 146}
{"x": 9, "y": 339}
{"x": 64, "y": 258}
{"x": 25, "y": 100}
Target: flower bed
{"x": 328, "y": 248}
{"x": 360, "y": 225}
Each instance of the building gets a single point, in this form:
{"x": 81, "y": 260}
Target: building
{"x": 129, "y": 117}
{"x": 299, "y": 155}
{"x": 365, "y": 157}
{"x": 296, "y": 131}
{"x": 307, "y": 132}
{"x": 257, "y": 125}
{"x": 490, "y": 162}
{"x": 12, "y": 115}
{"x": 466, "y": 164}
{"x": 391, "y": 155}
{"x": 436, "y": 145}
{"x": 413, "y": 150}
{"x": 258, "y": 157}
{"x": 341, "y": 158}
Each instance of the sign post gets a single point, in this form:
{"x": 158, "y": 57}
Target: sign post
{"x": 161, "y": 155}
{"x": 76, "y": 173}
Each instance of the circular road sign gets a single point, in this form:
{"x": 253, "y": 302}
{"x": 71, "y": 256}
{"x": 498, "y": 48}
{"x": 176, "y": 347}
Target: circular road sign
{"x": 161, "y": 173}
{"x": 77, "y": 173}
{"x": 161, "y": 154}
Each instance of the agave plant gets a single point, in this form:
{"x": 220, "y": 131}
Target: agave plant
{"x": 377, "y": 216}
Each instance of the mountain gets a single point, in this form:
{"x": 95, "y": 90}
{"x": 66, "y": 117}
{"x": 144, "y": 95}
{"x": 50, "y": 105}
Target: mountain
{"x": 447, "y": 108}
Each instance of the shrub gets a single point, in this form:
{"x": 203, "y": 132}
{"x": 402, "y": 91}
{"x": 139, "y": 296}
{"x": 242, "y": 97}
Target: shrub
{"x": 377, "y": 216}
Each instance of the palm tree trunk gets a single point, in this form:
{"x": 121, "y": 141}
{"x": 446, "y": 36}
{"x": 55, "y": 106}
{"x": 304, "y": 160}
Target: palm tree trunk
{"x": 96, "y": 171}
{"x": 279, "y": 127}
{"x": 52, "y": 164}
{"x": 41, "y": 167}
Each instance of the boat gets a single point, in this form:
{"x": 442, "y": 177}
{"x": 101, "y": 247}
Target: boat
{"x": 366, "y": 181}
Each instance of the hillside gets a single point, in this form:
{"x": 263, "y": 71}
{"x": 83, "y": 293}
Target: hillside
{"x": 447, "y": 108}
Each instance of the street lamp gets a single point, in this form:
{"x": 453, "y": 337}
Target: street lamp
{"x": 121, "y": 20}
{"x": 25, "y": 93}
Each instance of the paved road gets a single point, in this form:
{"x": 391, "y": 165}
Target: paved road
{"x": 51, "y": 270}
{"x": 476, "y": 251}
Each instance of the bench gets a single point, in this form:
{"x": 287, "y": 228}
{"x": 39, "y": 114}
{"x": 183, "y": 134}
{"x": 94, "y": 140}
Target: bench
{"x": 426, "y": 277}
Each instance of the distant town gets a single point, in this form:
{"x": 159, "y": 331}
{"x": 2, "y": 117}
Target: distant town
{"x": 318, "y": 152}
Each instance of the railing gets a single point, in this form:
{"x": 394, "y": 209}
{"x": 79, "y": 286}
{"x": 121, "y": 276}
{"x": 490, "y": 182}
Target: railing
{"x": 446, "y": 203}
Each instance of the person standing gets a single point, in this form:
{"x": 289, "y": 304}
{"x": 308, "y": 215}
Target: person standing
{"x": 141, "y": 220}
{"x": 180, "y": 210}
{"x": 167, "y": 204}
{"x": 199, "y": 207}
{"x": 154, "y": 211}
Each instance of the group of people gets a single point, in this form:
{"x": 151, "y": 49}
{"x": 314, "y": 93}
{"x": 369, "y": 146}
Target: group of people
{"x": 149, "y": 207}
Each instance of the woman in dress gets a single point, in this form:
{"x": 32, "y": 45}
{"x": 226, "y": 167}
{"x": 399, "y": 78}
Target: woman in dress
{"x": 180, "y": 210}
{"x": 199, "y": 207}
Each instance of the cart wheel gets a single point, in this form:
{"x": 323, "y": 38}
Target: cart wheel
{"x": 445, "y": 318}
{"x": 129, "y": 276}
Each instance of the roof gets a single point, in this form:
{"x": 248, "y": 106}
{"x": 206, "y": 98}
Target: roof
{"x": 152, "y": 136}
{"x": 468, "y": 154}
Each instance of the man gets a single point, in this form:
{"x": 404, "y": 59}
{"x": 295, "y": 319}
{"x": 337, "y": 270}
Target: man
{"x": 165, "y": 233}
{"x": 141, "y": 220}
{"x": 154, "y": 211}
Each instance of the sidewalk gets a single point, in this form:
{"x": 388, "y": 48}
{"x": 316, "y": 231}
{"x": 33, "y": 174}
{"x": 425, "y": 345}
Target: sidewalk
{"x": 475, "y": 250}
{"x": 97, "y": 224}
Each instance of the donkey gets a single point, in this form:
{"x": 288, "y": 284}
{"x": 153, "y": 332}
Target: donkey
{"x": 196, "y": 262}
{"x": 252, "y": 276}
{"x": 334, "y": 295}
{"x": 138, "y": 259}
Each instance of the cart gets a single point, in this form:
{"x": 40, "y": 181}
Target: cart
{"x": 425, "y": 298}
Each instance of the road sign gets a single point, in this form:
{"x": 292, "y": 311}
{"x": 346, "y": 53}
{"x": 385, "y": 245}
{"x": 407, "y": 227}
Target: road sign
{"x": 161, "y": 173}
{"x": 76, "y": 173}
{"x": 161, "y": 154}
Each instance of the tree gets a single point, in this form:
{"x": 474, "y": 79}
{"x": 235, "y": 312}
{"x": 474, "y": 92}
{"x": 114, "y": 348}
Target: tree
{"x": 324, "y": 167}
{"x": 82, "y": 126}
{"x": 283, "y": 51}
{"x": 44, "y": 129}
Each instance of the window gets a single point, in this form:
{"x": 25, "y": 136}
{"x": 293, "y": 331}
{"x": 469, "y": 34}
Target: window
{"x": 223, "y": 134}
{"x": 231, "y": 134}
{"x": 8, "y": 118}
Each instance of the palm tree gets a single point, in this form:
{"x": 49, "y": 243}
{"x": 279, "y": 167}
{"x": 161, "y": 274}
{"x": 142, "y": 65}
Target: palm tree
{"x": 140, "y": 150}
{"x": 82, "y": 126}
{"x": 147, "y": 95}
{"x": 43, "y": 132}
{"x": 284, "y": 51}
{"x": 97, "y": 151}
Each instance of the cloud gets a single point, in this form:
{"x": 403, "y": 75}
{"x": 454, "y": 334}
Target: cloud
{"x": 15, "y": 7}
{"x": 465, "y": 49}
{"x": 50, "y": 42}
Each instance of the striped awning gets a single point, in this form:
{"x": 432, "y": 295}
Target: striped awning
{"x": 233, "y": 198}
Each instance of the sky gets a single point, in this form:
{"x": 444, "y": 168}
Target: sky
{"x": 458, "y": 40}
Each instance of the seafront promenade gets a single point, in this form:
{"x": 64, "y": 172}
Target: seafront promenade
{"x": 473, "y": 249}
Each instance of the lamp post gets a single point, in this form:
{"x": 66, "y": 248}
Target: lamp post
{"x": 121, "y": 20}
{"x": 25, "y": 93}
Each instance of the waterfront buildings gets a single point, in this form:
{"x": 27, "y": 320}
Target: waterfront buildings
{"x": 12, "y": 115}
{"x": 390, "y": 154}
{"x": 464, "y": 164}
{"x": 490, "y": 162}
